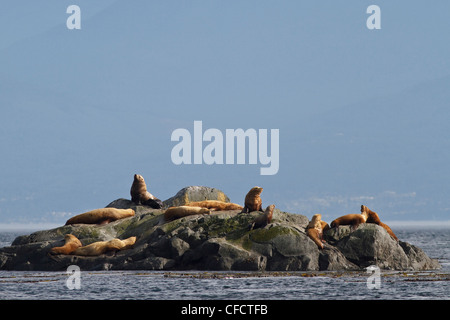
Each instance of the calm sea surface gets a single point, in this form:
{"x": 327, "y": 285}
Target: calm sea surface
{"x": 240, "y": 285}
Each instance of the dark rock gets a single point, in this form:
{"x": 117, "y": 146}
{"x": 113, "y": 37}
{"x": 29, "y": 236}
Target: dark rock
{"x": 331, "y": 259}
{"x": 417, "y": 258}
{"x": 149, "y": 263}
{"x": 369, "y": 245}
{"x": 286, "y": 247}
{"x": 154, "y": 203}
{"x": 178, "y": 247}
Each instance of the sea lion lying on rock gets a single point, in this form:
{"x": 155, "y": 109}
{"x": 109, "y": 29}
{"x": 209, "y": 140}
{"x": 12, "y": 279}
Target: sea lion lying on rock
{"x": 140, "y": 195}
{"x": 173, "y": 213}
{"x": 372, "y": 217}
{"x": 325, "y": 225}
{"x": 101, "y": 247}
{"x": 71, "y": 244}
{"x": 353, "y": 219}
{"x": 253, "y": 200}
{"x": 264, "y": 219}
{"x": 101, "y": 216}
{"x": 74, "y": 246}
{"x": 215, "y": 205}
{"x": 315, "y": 230}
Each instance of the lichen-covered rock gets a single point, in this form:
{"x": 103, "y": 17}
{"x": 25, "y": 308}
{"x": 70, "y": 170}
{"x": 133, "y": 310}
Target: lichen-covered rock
{"x": 286, "y": 248}
{"x": 195, "y": 193}
{"x": 219, "y": 241}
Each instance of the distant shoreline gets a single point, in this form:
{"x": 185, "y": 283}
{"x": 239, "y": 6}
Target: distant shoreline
{"x": 432, "y": 224}
{"x": 28, "y": 227}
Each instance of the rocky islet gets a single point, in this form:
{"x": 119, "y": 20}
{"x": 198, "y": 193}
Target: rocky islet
{"x": 220, "y": 241}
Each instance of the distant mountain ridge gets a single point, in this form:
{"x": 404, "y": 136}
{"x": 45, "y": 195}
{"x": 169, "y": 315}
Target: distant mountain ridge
{"x": 82, "y": 112}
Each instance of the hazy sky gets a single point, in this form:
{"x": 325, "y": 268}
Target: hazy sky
{"x": 362, "y": 114}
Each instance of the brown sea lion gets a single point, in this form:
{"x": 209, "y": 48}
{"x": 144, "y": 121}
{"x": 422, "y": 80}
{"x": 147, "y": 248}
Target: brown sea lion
{"x": 101, "y": 247}
{"x": 173, "y": 213}
{"x": 372, "y": 217}
{"x": 101, "y": 216}
{"x": 215, "y": 205}
{"x": 263, "y": 220}
{"x": 140, "y": 195}
{"x": 314, "y": 230}
{"x": 70, "y": 245}
{"x": 353, "y": 219}
{"x": 253, "y": 200}
{"x": 325, "y": 225}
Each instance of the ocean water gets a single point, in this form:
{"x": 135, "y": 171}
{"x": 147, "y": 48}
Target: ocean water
{"x": 196, "y": 285}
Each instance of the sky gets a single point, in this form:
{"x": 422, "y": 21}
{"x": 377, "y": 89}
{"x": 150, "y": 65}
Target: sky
{"x": 362, "y": 114}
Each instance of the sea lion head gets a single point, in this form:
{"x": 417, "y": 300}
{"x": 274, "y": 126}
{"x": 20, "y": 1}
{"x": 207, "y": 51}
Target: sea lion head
{"x": 365, "y": 212}
{"x": 68, "y": 237}
{"x": 138, "y": 177}
{"x": 256, "y": 190}
{"x": 369, "y": 215}
{"x": 130, "y": 241}
{"x": 270, "y": 208}
{"x": 315, "y": 221}
{"x": 269, "y": 212}
{"x": 71, "y": 238}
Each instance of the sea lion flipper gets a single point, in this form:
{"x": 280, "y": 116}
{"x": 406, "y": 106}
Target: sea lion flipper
{"x": 106, "y": 221}
{"x": 135, "y": 199}
{"x": 154, "y": 203}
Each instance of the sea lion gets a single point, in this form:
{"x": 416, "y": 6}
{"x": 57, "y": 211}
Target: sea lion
{"x": 325, "y": 225}
{"x": 215, "y": 205}
{"x": 173, "y": 213}
{"x": 253, "y": 200}
{"x": 70, "y": 245}
{"x": 263, "y": 220}
{"x": 372, "y": 217}
{"x": 101, "y": 216}
{"x": 314, "y": 230}
{"x": 101, "y": 247}
{"x": 353, "y": 219}
{"x": 140, "y": 195}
